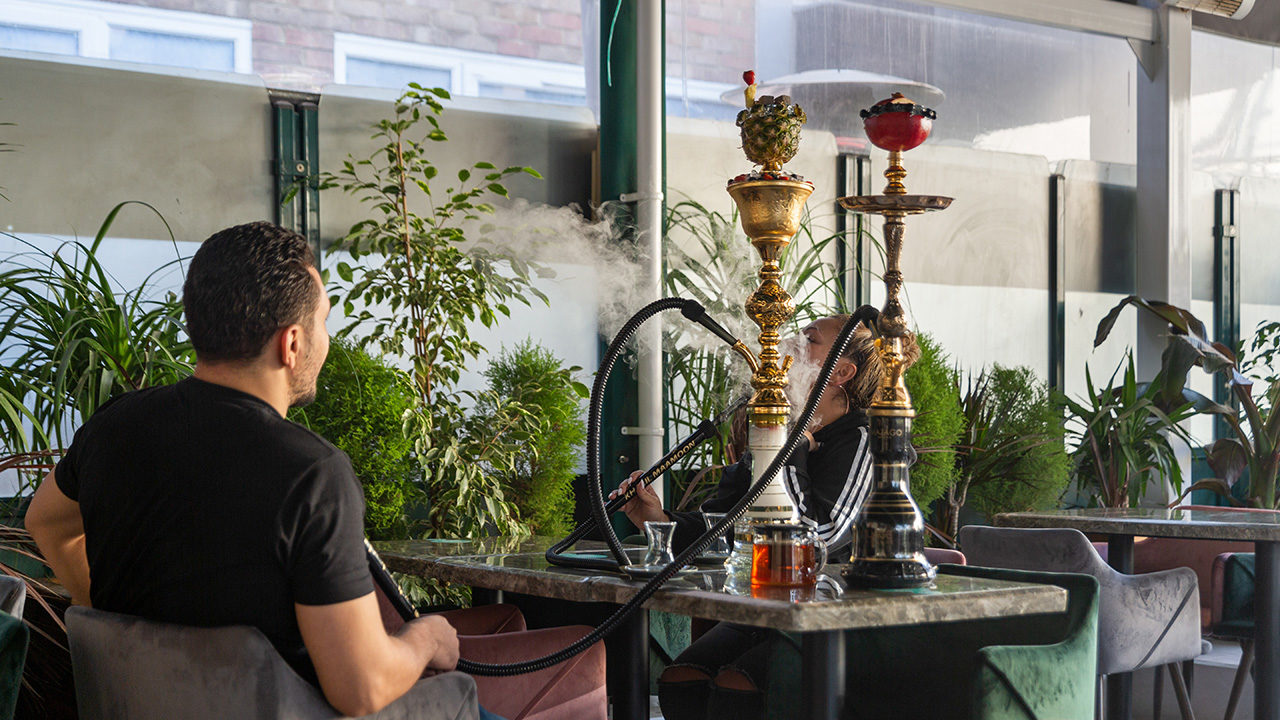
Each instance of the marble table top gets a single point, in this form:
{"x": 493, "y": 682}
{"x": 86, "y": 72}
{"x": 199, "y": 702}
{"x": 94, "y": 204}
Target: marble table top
{"x": 1201, "y": 523}
{"x": 702, "y": 592}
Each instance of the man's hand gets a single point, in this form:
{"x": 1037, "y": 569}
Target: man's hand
{"x": 437, "y": 631}
{"x": 644, "y": 506}
{"x": 361, "y": 668}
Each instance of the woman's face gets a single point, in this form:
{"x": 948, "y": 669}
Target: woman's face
{"x": 818, "y": 338}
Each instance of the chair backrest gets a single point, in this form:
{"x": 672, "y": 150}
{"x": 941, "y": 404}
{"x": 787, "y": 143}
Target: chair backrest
{"x": 1032, "y": 666}
{"x": 127, "y": 667}
{"x": 1143, "y": 620}
{"x": 13, "y": 595}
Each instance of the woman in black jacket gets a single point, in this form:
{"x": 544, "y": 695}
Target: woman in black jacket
{"x": 723, "y": 673}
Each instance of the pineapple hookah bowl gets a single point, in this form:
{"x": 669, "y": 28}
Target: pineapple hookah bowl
{"x": 770, "y": 203}
{"x": 888, "y": 547}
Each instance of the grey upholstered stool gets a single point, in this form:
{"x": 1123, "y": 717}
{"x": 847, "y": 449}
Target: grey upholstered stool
{"x": 129, "y": 668}
{"x": 1143, "y": 620}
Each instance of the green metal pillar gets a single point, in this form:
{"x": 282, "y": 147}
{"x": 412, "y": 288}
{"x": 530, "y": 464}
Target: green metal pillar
{"x": 294, "y": 119}
{"x": 618, "y": 56}
{"x": 1226, "y": 292}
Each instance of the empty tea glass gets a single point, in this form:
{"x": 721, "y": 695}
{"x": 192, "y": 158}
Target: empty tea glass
{"x": 659, "y": 536}
{"x": 720, "y": 546}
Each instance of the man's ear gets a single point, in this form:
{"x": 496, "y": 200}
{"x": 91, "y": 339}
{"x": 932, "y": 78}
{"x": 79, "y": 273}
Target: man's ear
{"x": 288, "y": 346}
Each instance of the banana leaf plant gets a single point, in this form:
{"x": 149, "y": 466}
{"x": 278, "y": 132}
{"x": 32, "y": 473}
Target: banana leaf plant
{"x": 1256, "y": 441}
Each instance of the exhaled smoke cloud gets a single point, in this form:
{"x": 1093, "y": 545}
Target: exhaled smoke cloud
{"x": 610, "y": 269}
{"x": 715, "y": 266}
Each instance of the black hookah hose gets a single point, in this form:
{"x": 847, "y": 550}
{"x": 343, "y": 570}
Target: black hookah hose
{"x": 705, "y": 431}
{"x": 692, "y": 310}
{"x": 867, "y": 314}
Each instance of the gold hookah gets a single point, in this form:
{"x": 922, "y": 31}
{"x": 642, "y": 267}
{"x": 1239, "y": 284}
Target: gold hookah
{"x": 889, "y": 535}
{"x": 770, "y": 203}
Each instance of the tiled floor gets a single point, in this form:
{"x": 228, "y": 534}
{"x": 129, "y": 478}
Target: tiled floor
{"x": 1211, "y": 687}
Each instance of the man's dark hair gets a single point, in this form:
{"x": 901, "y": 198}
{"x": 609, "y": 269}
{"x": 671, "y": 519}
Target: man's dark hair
{"x": 244, "y": 284}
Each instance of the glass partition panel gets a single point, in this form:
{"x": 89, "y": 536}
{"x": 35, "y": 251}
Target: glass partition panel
{"x": 1260, "y": 257}
{"x": 87, "y": 138}
{"x": 997, "y": 84}
{"x": 1100, "y": 267}
{"x": 977, "y": 273}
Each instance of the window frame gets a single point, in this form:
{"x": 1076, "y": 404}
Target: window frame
{"x": 93, "y": 22}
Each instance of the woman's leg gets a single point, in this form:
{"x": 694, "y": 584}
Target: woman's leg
{"x": 684, "y": 687}
{"x": 738, "y": 690}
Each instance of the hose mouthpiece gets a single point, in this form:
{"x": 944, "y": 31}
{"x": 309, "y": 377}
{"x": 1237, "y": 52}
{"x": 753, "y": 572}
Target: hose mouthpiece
{"x": 694, "y": 311}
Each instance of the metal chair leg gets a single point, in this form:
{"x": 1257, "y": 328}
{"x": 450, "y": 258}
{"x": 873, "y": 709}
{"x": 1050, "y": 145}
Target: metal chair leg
{"x": 1180, "y": 690}
{"x": 1237, "y": 686}
{"x": 1157, "y": 698}
{"x": 1099, "y": 699}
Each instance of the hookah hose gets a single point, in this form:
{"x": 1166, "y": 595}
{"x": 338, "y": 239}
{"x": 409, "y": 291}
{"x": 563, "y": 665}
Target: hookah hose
{"x": 705, "y": 430}
{"x": 866, "y": 313}
{"x": 692, "y": 310}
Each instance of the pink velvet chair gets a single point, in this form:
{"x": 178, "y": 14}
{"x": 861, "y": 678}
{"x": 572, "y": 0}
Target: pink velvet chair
{"x": 571, "y": 690}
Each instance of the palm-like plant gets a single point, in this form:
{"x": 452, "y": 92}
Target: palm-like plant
{"x": 1256, "y": 441}
{"x": 1011, "y": 455}
{"x": 71, "y": 338}
{"x": 1122, "y": 434}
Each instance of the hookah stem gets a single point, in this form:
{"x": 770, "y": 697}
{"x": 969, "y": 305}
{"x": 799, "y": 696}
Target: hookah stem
{"x": 867, "y": 314}
{"x": 705, "y": 430}
{"x": 382, "y": 578}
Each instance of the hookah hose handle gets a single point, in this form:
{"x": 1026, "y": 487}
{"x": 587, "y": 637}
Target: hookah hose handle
{"x": 866, "y": 314}
{"x": 704, "y": 431}
{"x": 388, "y": 585}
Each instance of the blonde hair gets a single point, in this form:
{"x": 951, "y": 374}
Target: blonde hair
{"x": 861, "y": 351}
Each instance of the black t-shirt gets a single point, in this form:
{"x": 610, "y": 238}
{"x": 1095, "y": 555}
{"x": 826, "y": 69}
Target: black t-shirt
{"x": 202, "y": 506}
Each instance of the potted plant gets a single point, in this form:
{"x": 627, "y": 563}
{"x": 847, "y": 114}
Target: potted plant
{"x": 1123, "y": 433}
{"x": 436, "y": 275}
{"x": 1010, "y": 456}
{"x": 1255, "y": 427}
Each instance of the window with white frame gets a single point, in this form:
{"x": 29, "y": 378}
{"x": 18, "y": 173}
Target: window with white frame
{"x": 84, "y": 28}
{"x": 362, "y": 60}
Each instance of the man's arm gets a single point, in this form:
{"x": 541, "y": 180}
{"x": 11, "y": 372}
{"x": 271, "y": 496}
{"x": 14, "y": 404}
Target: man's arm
{"x": 54, "y": 521}
{"x": 362, "y": 668}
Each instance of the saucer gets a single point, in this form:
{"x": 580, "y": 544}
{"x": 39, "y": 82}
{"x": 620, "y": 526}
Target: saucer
{"x": 650, "y": 571}
{"x": 710, "y": 559}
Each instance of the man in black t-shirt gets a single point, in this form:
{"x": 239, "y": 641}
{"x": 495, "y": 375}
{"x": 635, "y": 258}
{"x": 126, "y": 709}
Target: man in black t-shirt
{"x": 200, "y": 504}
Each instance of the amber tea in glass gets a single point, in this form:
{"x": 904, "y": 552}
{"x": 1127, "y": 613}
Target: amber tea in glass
{"x": 786, "y": 555}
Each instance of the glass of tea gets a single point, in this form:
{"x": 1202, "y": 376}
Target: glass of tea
{"x": 785, "y": 555}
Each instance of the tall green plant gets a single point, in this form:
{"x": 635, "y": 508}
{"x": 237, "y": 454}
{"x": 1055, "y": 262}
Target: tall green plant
{"x": 1123, "y": 435}
{"x": 72, "y": 338}
{"x": 541, "y": 484}
{"x": 360, "y": 407}
{"x": 1256, "y": 441}
{"x": 435, "y": 280}
{"x": 938, "y": 424}
{"x": 1011, "y": 455}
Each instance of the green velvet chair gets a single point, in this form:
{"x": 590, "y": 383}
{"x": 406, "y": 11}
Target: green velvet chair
{"x": 13, "y": 642}
{"x": 1037, "y": 667}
